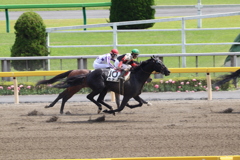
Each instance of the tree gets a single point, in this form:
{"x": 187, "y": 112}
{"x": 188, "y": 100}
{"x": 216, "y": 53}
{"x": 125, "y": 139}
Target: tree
{"x": 30, "y": 40}
{"x": 131, "y": 10}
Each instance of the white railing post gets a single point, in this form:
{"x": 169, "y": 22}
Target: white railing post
{"x": 183, "y": 43}
{"x": 199, "y": 11}
{"x": 115, "y": 41}
{"x": 48, "y": 47}
{"x": 235, "y": 62}
{"x": 209, "y": 86}
{"x": 16, "y": 95}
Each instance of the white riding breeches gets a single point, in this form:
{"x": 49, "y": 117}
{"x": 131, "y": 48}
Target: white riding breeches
{"x": 99, "y": 65}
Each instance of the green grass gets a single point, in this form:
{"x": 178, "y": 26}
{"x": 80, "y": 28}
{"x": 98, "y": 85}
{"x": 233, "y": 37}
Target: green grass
{"x": 157, "y": 2}
{"x": 7, "y": 39}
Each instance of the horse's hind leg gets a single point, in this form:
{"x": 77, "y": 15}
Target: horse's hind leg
{"x": 60, "y": 96}
{"x": 91, "y": 98}
{"x": 68, "y": 94}
{"x": 64, "y": 100}
{"x": 101, "y": 99}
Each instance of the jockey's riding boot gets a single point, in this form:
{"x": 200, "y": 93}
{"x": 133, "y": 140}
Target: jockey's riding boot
{"x": 122, "y": 75}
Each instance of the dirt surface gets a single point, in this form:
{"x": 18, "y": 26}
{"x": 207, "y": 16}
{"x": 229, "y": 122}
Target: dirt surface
{"x": 167, "y": 128}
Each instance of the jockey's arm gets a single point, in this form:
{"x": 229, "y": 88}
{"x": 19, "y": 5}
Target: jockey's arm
{"x": 134, "y": 64}
{"x": 120, "y": 64}
{"x": 109, "y": 61}
{"x": 121, "y": 61}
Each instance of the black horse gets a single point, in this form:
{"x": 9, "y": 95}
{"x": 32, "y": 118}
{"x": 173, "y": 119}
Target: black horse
{"x": 70, "y": 91}
{"x": 132, "y": 88}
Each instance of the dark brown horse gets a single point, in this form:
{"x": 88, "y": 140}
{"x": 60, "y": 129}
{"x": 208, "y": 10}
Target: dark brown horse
{"x": 70, "y": 91}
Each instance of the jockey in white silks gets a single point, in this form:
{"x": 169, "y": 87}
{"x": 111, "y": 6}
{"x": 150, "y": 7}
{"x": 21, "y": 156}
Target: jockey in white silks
{"x": 104, "y": 61}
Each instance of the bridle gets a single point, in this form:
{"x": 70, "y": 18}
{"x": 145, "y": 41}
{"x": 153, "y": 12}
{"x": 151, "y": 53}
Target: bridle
{"x": 163, "y": 67}
{"x": 156, "y": 61}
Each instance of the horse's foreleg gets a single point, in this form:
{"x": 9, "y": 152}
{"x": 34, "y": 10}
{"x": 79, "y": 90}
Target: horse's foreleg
{"x": 139, "y": 100}
{"x": 117, "y": 99}
{"x": 123, "y": 104}
{"x": 145, "y": 102}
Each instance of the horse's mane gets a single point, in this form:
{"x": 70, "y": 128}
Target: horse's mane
{"x": 141, "y": 64}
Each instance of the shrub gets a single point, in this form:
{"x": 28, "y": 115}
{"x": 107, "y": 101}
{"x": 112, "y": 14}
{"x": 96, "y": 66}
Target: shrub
{"x": 157, "y": 85}
{"x": 183, "y": 85}
{"x": 131, "y": 10}
{"x": 30, "y": 40}
{"x": 7, "y": 88}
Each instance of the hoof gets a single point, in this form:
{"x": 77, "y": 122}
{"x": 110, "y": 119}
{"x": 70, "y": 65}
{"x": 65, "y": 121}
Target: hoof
{"x": 109, "y": 112}
{"x": 149, "y": 104}
{"x": 47, "y": 106}
{"x": 99, "y": 110}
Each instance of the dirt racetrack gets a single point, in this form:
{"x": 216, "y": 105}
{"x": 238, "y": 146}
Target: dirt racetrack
{"x": 165, "y": 129}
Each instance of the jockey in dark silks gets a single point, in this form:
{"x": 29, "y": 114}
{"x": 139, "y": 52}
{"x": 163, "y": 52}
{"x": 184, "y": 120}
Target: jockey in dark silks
{"x": 125, "y": 62}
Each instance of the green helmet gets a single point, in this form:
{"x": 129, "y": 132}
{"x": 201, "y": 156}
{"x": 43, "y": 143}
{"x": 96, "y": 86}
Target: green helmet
{"x": 135, "y": 51}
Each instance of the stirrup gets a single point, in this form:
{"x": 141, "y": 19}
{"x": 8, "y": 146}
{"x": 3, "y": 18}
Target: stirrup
{"x": 122, "y": 78}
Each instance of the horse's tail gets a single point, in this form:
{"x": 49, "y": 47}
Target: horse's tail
{"x": 227, "y": 78}
{"x": 55, "y": 79}
{"x": 71, "y": 81}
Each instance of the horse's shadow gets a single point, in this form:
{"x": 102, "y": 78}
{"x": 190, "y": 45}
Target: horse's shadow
{"x": 227, "y": 113}
{"x": 92, "y": 121}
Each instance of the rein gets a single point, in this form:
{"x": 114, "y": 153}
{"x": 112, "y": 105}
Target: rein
{"x": 148, "y": 72}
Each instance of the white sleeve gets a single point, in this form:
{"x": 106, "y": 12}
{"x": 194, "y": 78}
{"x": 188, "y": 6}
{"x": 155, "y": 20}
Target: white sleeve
{"x": 128, "y": 56}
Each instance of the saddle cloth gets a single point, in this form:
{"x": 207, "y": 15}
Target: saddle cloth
{"x": 113, "y": 75}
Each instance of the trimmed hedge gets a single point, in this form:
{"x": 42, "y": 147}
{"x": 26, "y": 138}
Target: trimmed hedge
{"x": 30, "y": 40}
{"x": 183, "y": 85}
{"x": 131, "y": 10}
{"x": 157, "y": 85}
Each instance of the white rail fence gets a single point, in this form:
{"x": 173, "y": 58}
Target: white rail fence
{"x": 115, "y": 31}
{"x": 199, "y": 6}
{"x": 82, "y": 61}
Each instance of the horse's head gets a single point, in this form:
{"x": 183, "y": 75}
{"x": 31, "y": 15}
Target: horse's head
{"x": 159, "y": 66}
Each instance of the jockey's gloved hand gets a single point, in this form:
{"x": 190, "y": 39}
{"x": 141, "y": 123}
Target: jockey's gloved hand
{"x": 118, "y": 68}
